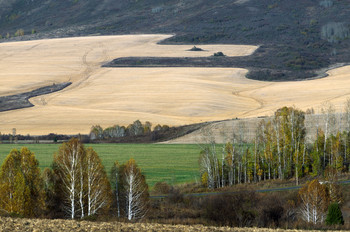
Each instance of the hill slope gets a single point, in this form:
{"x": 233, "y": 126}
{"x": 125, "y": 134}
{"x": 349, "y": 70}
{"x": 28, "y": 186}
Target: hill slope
{"x": 296, "y": 39}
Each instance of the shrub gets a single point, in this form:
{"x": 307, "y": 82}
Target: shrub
{"x": 238, "y": 209}
{"x": 334, "y": 215}
{"x": 19, "y": 32}
{"x": 161, "y": 187}
{"x": 219, "y": 54}
{"x": 195, "y": 49}
{"x": 271, "y": 210}
{"x": 175, "y": 196}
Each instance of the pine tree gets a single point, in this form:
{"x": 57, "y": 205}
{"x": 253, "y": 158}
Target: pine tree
{"x": 334, "y": 215}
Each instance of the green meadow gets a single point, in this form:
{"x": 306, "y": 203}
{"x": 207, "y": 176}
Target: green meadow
{"x": 172, "y": 163}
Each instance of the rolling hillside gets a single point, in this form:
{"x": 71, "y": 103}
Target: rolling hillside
{"x": 296, "y": 39}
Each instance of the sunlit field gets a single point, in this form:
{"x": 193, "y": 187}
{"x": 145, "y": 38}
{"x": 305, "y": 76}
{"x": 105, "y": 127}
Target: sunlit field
{"x": 173, "y": 164}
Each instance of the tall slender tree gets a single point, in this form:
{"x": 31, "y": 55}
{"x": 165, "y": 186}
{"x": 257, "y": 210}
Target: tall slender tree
{"x": 21, "y": 185}
{"x": 314, "y": 202}
{"x": 134, "y": 191}
{"x": 82, "y": 183}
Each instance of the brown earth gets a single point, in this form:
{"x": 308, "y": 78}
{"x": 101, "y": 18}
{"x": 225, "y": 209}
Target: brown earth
{"x": 29, "y": 225}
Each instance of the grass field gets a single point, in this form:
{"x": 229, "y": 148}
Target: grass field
{"x": 159, "y": 162}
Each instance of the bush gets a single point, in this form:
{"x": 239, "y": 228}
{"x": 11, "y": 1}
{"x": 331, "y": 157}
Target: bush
{"x": 175, "y": 196}
{"x": 19, "y": 32}
{"x": 271, "y": 211}
{"x": 334, "y": 215}
{"x": 161, "y": 187}
{"x": 219, "y": 54}
{"x": 238, "y": 209}
{"x": 195, "y": 49}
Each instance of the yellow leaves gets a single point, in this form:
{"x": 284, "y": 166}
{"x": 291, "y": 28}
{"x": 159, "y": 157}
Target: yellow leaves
{"x": 204, "y": 179}
{"x": 21, "y": 185}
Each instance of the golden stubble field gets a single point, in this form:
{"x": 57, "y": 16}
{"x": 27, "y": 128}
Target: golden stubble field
{"x": 173, "y": 96}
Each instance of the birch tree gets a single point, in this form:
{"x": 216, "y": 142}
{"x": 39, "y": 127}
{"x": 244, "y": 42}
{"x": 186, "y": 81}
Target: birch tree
{"x": 134, "y": 191}
{"x": 208, "y": 161}
{"x": 329, "y": 124}
{"x": 115, "y": 183}
{"x": 347, "y": 132}
{"x": 82, "y": 183}
{"x": 97, "y": 191}
{"x": 314, "y": 202}
{"x": 21, "y": 185}
{"x": 67, "y": 168}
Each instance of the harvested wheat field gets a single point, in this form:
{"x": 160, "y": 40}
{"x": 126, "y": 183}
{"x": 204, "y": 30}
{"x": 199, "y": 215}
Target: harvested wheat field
{"x": 29, "y": 225}
{"x": 173, "y": 96}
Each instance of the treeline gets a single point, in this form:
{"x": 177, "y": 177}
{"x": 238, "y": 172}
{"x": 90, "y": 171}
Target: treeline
{"x": 52, "y": 137}
{"x": 132, "y": 130}
{"x": 139, "y": 132}
{"x": 279, "y": 150}
{"x": 76, "y": 186}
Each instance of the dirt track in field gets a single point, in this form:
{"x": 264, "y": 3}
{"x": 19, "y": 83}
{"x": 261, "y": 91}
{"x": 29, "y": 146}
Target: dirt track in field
{"x": 173, "y": 96}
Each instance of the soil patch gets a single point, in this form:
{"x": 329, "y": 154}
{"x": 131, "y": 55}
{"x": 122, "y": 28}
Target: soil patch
{"x": 19, "y": 101}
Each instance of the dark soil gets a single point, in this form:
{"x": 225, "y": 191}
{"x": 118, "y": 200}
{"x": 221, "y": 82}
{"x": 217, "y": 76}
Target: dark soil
{"x": 256, "y": 69}
{"x": 20, "y": 101}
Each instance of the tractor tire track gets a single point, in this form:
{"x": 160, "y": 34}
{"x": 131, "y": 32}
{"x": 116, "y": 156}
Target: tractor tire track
{"x": 259, "y": 101}
{"x": 89, "y": 68}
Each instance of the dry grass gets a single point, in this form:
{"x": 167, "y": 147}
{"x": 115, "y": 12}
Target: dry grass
{"x": 173, "y": 96}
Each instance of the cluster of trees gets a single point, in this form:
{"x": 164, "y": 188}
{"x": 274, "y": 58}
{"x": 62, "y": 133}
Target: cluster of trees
{"x": 77, "y": 186}
{"x": 316, "y": 198}
{"x": 19, "y": 32}
{"x": 279, "y": 150}
{"x": 134, "y": 129}
{"x": 314, "y": 204}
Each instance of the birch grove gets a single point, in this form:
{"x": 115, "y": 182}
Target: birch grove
{"x": 279, "y": 149}
{"x": 82, "y": 183}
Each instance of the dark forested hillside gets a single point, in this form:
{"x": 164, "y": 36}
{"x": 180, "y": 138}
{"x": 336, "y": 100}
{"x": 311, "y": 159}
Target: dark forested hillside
{"x": 297, "y": 38}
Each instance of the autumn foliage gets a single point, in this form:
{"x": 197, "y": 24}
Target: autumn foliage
{"x": 21, "y": 186}
{"x": 82, "y": 184}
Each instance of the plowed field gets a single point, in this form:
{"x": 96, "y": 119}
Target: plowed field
{"x": 29, "y": 225}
